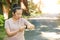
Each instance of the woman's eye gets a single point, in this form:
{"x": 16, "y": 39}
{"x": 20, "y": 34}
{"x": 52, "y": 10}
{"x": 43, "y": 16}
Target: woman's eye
{"x": 18, "y": 13}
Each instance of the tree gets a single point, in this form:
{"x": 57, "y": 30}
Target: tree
{"x": 5, "y": 8}
{"x": 24, "y": 6}
{"x": 7, "y": 4}
{"x": 1, "y": 7}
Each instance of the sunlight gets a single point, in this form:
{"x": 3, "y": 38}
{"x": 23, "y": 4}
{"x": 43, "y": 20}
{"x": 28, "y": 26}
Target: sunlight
{"x": 35, "y": 1}
{"x": 50, "y": 35}
{"x": 58, "y": 27}
{"x": 43, "y": 26}
{"x": 50, "y": 6}
{"x": 5, "y": 16}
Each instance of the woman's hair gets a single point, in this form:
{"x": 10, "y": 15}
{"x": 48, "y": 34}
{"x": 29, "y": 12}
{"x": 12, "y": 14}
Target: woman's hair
{"x": 15, "y": 7}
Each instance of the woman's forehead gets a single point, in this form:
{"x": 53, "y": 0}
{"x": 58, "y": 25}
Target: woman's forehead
{"x": 18, "y": 10}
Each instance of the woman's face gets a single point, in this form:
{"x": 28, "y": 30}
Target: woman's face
{"x": 18, "y": 14}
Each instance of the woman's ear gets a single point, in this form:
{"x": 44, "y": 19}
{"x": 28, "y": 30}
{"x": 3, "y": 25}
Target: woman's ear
{"x": 12, "y": 13}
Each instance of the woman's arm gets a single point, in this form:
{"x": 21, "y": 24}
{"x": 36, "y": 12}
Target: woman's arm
{"x": 11, "y": 33}
{"x": 29, "y": 25}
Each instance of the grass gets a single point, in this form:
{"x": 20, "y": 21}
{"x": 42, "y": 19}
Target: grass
{"x": 2, "y": 34}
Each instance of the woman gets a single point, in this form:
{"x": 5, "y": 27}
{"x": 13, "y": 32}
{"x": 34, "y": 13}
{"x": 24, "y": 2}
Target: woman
{"x": 16, "y": 25}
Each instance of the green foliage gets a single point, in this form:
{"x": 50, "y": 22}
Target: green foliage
{"x": 32, "y": 9}
{"x": 26, "y": 17}
{"x": 4, "y": 2}
{"x": 1, "y": 21}
{"x": 2, "y": 32}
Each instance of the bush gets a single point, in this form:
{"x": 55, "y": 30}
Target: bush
{"x": 1, "y": 21}
{"x": 2, "y": 32}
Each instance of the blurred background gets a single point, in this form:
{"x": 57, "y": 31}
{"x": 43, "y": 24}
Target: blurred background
{"x": 44, "y": 14}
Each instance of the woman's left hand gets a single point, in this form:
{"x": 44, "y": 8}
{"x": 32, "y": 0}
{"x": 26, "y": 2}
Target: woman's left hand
{"x": 31, "y": 27}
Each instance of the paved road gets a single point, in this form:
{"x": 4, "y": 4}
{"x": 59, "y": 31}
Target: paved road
{"x": 46, "y": 29}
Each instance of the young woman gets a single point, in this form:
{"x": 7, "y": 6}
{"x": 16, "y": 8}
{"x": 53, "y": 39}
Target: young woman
{"x": 16, "y": 25}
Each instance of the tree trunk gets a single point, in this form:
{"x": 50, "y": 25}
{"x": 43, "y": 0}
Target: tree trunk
{"x": 6, "y": 9}
{"x": 1, "y": 8}
{"x": 24, "y": 6}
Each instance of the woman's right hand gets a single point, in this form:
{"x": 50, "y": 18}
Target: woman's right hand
{"x": 22, "y": 28}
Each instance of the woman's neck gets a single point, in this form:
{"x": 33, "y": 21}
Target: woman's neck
{"x": 14, "y": 19}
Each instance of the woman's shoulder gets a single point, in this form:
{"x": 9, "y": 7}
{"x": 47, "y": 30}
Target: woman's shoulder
{"x": 7, "y": 20}
{"x": 23, "y": 19}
